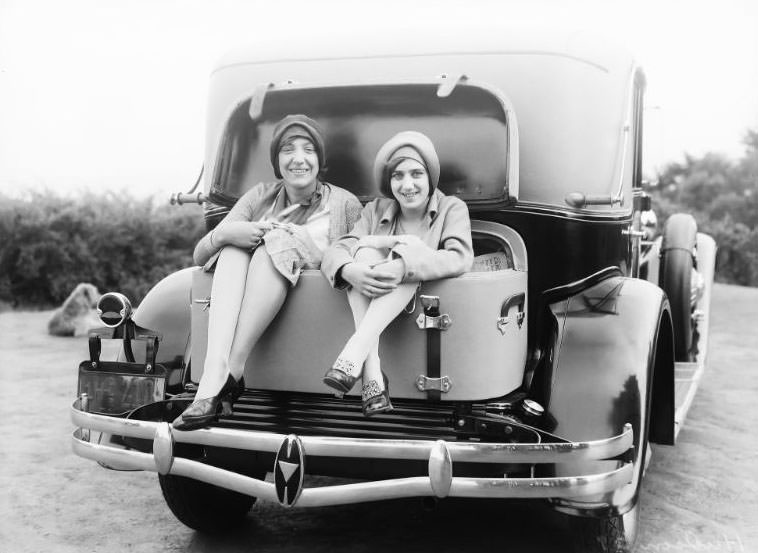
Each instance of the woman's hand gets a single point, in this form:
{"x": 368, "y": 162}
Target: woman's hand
{"x": 372, "y": 282}
{"x": 243, "y": 234}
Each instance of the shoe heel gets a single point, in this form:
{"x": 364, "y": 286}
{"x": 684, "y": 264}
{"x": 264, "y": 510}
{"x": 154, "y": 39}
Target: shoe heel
{"x": 340, "y": 377}
{"x": 380, "y": 403}
{"x": 201, "y": 413}
{"x": 239, "y": 389}
{"x": 226, "y": 407}
{"x": 228, "y": 401}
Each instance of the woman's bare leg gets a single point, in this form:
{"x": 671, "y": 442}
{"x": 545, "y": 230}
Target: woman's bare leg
{"x": 379, "y": 314}
{"x": 229, "y": 283}
{"x": 265, "y": 292}
{"x": 359, "y": 305}
{"x": 364, "y": 344}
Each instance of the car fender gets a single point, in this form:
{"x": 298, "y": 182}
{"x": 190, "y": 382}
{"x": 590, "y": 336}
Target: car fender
{"x": 611, "y": 335}
{"x": 166, "y": 310}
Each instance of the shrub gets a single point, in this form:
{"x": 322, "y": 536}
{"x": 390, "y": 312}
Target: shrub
{"x": 723, "y": 196}
{"x": 49, "y": 243}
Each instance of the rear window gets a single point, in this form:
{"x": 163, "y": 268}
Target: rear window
{"x": 468, "y": 127}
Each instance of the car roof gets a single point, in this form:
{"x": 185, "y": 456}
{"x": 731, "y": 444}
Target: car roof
{"x": 571, "y": 90}
{"x": 581, "y": 45}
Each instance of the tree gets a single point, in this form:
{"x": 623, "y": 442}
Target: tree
{"x": 723, "y": 196}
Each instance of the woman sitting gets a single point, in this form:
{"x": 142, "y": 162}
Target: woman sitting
{"x": 416, "y": 233}
{"x": 273, "y": 232}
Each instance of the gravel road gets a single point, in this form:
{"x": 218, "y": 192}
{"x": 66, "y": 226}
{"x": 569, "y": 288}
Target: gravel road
{"x": 697, "y": 496}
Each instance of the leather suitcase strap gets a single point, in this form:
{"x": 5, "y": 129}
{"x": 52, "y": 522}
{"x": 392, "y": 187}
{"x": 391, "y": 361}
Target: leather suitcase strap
{"x": 433, "y": 354}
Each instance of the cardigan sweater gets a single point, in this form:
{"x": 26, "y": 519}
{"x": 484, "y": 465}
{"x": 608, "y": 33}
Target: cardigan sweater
{"x": 443, "y": 250}
{"x": 344, "y": 209}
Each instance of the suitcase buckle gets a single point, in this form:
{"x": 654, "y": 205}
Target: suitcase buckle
{"x": 441, "y": 322}
{"x": 431, "y": 316}
{"x": 425, "y": 384}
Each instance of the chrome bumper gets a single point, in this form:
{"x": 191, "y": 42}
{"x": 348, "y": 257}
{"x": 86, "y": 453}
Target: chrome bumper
{"x": 440, "y": 455}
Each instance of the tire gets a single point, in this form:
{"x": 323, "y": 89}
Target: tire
{"x": 204, "y": 507}
{"x": 610, "y": 534}
{"x": 676, "y": 282}
{"x": 615, "y": 534}
{"x": 679, "y": 239}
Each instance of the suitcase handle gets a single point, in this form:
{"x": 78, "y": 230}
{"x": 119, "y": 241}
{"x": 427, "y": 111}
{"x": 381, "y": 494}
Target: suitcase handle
{"x": 514, "y": 300}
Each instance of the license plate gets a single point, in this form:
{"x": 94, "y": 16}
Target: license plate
{"x": 115, "y": 388}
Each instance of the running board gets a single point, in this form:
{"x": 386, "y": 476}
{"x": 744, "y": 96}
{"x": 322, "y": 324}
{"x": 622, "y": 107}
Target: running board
{"x": 686, "y": 380}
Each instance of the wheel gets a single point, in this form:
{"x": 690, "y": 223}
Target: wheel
{"x": 204, "y": 507}
{"x": 615, "y": 534}
{"x": 679, "y": 239}
{"x": 676, "y": 274}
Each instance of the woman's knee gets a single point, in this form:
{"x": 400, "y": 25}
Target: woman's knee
{"x": 261, "y": 258}
{"x": 231, "y": 254}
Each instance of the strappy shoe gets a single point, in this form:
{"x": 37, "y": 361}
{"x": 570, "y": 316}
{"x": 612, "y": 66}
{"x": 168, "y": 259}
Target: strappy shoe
{"x": 202, "y": 412}
{"x": 341, "y": 377}
{"x": 375, "y": 400}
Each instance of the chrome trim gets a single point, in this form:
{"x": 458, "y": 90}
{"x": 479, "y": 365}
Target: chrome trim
{"x": 440, "y": 469}
{"x": 568, "y": 486}
{"x": 163, "y": 448}
{"x": 206, "y": 303}
{"x": 533, "y": 408}
{"x": 633, "y": 233}
{"x": 125, "y": 312}
{"x": 424, "y": 383}
{"x": 84, "y": 406}
{"x": 626, "y": 130}
{"x": 448, "y": 84}
{"x": 562, "y": 487}
{"x": 440, "y": 322}
{"x": 472, "y": 452}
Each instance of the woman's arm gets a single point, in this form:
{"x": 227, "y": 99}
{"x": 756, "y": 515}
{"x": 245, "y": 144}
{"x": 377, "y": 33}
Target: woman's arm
{"x": 236, "y": 229}
{"x": 455, "y": 256}
{"x": 340, "y": 252}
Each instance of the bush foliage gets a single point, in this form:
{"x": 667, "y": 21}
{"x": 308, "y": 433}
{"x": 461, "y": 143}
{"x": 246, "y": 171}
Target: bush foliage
{"x": 723, "y": 197}
{"x": 49, "y": 243}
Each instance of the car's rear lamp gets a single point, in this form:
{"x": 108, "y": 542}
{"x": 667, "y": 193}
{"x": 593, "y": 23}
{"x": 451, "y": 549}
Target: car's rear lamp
{"x": 114, "y": 309}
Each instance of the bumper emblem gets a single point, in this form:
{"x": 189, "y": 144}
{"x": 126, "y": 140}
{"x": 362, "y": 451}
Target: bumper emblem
{"x": 289, "y": 469}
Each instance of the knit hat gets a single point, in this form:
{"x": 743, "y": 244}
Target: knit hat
{"x": 297, "y": 126}
{"x": 406, "y": 145}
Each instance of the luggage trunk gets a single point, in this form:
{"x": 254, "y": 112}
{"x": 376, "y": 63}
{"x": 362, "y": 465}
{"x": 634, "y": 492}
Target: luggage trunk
{"x": 482, "y": 352}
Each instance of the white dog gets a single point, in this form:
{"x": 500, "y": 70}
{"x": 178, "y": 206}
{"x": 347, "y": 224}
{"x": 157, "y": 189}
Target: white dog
{"x": 77, "y": 315}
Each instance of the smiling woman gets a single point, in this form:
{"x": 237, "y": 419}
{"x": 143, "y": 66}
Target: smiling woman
{"x": 298, "y": 163}
{"x": 416, "y": 233}
{"x": 258, "y": 251}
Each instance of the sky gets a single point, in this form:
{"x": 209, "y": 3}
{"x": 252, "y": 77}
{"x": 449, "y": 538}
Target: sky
{"x": 102, "y": 94}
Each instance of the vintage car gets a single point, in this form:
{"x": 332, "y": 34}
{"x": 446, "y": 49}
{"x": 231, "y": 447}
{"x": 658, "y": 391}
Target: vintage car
{"x": 545, "y": 372}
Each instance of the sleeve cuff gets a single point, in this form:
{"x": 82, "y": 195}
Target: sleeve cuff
{"x": 401, "y": 251}
{"x": 339, "y": 282}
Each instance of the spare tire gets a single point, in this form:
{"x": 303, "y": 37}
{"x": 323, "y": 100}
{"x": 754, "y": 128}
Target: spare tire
{"x": 677, "y": 262}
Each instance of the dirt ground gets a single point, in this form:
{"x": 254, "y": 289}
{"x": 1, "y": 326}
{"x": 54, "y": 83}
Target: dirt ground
{"x": 698, "y": 496}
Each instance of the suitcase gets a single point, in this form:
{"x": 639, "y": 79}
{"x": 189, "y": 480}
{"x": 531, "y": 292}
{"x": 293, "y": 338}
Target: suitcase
{"x": 482, "y": 352}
